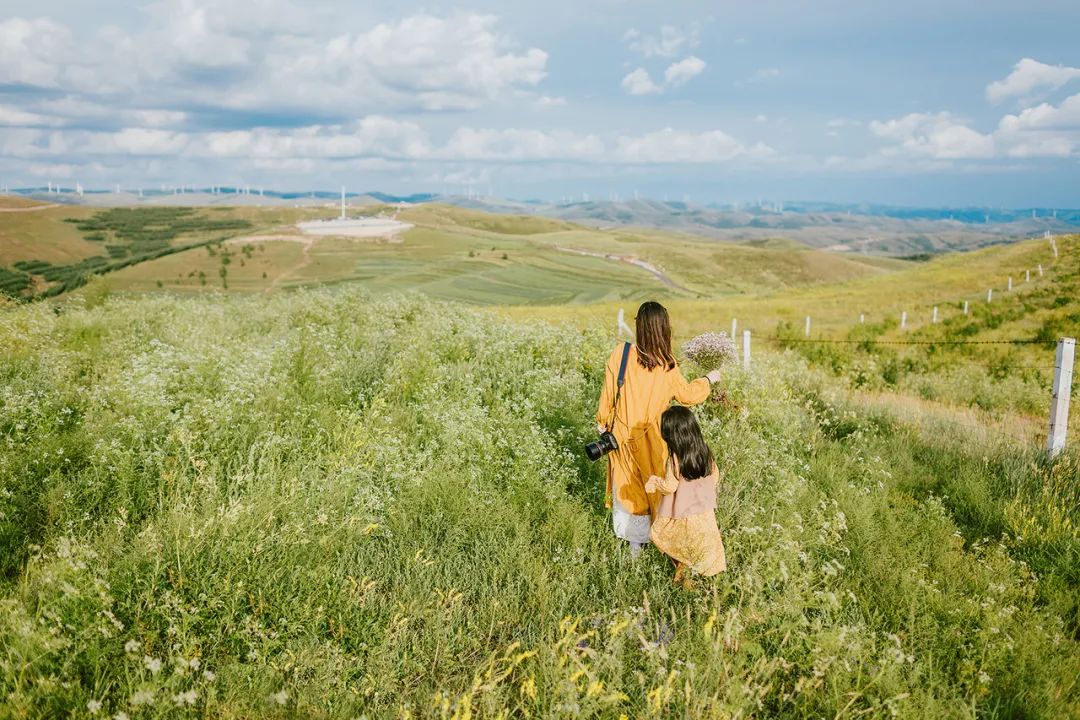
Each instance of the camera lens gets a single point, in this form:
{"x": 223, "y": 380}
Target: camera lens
{"x": 594, "y": 451}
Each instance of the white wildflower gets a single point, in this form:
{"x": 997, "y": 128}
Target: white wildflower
{"x": 142, "y": 697}
{"x": 132, "y": 646}
{"x": 185, "y": 698}
{"x": 152, "y": 664}
{"x": 93, "y": 706}
{"x": 279, "y": 698}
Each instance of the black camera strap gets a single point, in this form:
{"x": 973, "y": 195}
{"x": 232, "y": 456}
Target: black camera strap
{"x": 619, "y": 384}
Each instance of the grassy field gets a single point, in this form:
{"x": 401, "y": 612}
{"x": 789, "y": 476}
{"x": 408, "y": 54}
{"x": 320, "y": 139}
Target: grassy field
{"x": 332, "y": 504}
{"x": 1008, "y": 382}
{"x": 451, "y": 254}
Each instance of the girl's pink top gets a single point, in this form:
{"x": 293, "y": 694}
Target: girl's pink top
{"x": 683, "y": 498}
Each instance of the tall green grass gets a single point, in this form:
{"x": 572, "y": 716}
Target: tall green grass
{"x": 323, "y": 504}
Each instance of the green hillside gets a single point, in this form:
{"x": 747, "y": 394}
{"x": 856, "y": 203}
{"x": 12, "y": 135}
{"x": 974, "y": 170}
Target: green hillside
{"x": 450, "y": 254}
{"x": 333, "y": 505}
{"x": 923, "y": 362}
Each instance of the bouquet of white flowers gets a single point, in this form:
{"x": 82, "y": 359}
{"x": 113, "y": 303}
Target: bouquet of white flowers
{"x": 710, "y": 350}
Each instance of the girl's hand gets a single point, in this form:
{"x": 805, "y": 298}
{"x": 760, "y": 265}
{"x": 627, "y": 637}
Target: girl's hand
{"x": 601, "y": 428}
{"x": 713, "y": 376}
{"x": 650, "y": 484}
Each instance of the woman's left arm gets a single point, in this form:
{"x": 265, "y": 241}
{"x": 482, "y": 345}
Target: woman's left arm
{"x": 688, "y": 393}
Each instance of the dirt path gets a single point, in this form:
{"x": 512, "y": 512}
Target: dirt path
{"x": 32, "y": 208}
{"x": 306, "y": 241}
{"x": 630, "y": 260}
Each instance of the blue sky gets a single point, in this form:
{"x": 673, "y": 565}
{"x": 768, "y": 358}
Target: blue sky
{"x": 924, "y": 103}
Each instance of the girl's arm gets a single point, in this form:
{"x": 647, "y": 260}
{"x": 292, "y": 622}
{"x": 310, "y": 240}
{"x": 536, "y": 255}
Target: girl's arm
{"x": 664, "y": 485}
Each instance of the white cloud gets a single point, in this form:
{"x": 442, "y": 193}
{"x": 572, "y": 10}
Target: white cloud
{"x": 681, "y": 72}
{"x": 760, "y": 75}
{"x": 940, "y": 136}
{"x": 547, "y": 101}
{"x": 1043, "y": 131}
{"x": 639, "y": 82}
{"x": 200, "y": 36}
{"x": 1030, "y": 77}
{"x": 32, "y": 52}
{"x": 674, "y": 146}
{"x": 373, "y": 136}
{"x": 372, "y": 142}
{"x": 520, "y": 144}
{"x": 670, "y": 42}
{"x": 198, "y": 54}
{"x": 14, "y": 117}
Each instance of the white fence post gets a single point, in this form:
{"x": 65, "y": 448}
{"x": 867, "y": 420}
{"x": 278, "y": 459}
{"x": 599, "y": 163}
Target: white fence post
{"x": 903, "y": 319}
{"x": 1010, "y": 282}
{"x": 1040, "y": 269}
{"x": 746, "y": 349}
{"x": 989, "y": 294}
{"x": 1027, "y": 276}
{"x": 623, "y": 328}
{"x": 965, "y": 307}
{"x": 807, "y": 326}
{"x": 934, "y": 320}
{"x": 734, "y": 324}
{"x": 1059, "y": 404}
{"x": 862, "y": 318}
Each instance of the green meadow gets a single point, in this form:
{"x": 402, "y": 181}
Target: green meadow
{"x": 327, "y": 504}
{"x": 326, "y": 484}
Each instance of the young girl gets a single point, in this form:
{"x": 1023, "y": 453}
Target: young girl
{"x": 685, "y": 525}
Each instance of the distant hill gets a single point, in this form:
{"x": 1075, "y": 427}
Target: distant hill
{"x": 861, "y": 228}
{"x": 871, "y": 229}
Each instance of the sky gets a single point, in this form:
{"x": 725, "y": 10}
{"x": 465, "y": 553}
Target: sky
{"x": 914, "y": 103}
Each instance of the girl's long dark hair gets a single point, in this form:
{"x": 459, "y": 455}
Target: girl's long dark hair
{"x": 654, "y": 336}
{"x": 681, "y": 432}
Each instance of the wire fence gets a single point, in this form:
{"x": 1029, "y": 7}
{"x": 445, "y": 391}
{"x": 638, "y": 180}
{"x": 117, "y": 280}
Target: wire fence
{"x": 1026, "y": 341}
{"x": 989, "y": 429}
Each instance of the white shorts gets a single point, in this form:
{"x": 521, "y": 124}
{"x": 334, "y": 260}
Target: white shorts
{"x": 632, "y": 528}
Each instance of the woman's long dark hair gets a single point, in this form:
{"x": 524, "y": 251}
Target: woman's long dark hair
{"x": 654, "y": 336}
{"x": 681, "y": 432}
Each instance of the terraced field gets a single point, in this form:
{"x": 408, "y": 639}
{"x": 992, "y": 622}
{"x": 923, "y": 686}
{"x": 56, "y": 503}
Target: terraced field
{"x": 480, "y": 259}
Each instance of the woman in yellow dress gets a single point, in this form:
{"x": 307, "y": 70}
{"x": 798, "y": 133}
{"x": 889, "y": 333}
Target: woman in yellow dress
{"x": 685, "y": 528}
{"x": 652, "y": 380}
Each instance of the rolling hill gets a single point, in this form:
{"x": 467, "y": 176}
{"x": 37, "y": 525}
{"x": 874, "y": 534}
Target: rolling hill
{"x": 451, "y": 253}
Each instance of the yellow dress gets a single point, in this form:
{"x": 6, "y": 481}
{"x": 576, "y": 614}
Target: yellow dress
{"x": 693, "y": 540}
{"x": 646, "y": 394}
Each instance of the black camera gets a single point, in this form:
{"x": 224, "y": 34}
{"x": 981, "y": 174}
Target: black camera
{"x": 600, "y": 448}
